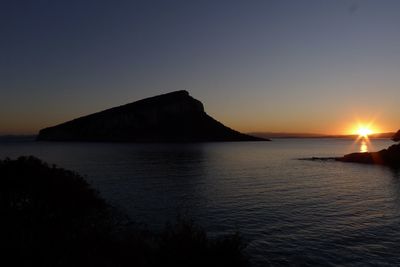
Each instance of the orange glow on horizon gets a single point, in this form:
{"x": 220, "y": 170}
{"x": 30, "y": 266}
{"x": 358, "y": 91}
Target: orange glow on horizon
{"x": 363, "y": 129}
{"x": 364, "y": 132}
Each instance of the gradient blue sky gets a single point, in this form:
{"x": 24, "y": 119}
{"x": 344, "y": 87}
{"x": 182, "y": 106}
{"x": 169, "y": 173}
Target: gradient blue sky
{"x": 292, "y": 66}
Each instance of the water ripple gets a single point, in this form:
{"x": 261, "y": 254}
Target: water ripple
{"x": 291, "y": 212}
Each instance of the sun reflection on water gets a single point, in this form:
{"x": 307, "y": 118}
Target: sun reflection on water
{"x": 363, "y": 146}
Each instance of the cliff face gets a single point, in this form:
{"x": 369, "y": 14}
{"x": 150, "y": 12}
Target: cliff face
{"x": 172, "y": 117}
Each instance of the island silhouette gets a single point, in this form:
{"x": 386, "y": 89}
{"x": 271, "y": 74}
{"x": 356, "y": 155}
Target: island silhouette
{"x": 171, "y": 117}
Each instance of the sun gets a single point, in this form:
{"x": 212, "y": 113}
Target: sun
{"x": 364, "y": 132}
{"x": 363, "y": 129}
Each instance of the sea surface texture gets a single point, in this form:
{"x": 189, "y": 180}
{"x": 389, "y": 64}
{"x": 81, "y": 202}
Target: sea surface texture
{"x": 291, "y": 212}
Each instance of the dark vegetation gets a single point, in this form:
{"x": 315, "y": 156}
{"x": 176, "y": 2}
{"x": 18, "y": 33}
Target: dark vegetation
{"x": 52, "y": 217}
{"x": 172, "y": 117}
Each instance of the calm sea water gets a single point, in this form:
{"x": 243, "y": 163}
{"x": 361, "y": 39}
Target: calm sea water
{"x": 291, "y": 212}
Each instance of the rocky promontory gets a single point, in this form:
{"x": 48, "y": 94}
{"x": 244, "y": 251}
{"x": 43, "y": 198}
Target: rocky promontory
{"x": 389, "y": 157}
{"x": 172, "y": 117}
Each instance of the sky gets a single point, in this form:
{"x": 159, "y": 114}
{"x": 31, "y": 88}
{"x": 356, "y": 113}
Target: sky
{"x": 317, "y": 66}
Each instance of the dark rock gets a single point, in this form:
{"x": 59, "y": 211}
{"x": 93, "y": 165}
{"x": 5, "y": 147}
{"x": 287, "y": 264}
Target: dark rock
{"x": 172, "y": 117}
{"x": 389, "y": 157}
{"x": 319, "y": 158}
{"x": 396, "y": 136}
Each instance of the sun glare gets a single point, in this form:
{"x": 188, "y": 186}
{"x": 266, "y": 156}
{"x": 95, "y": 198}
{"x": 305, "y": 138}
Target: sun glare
{"x": 364, "y": 132}
{"x": 363, "y": 129}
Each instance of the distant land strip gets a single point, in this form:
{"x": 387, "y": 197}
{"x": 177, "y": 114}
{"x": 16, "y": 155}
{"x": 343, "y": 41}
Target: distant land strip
{"x": 312, "y": 135}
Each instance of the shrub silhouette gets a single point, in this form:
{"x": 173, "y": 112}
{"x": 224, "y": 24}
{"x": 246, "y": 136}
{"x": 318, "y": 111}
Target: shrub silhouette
{"x": 186, "y": 244}
{"x": 52, "y": 217}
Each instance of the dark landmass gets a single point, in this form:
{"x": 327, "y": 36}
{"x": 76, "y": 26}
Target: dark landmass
{"x": 396, "y": 136}
{"x": 172, "y": 117}
{"x": 312, "y": 135}
{"x": 17, "y": 137}
{"x": 389, "y": 157}
{"x": 371, "y": 136}
{"x": 52, "y": 217}
{"x": 320, "y": 158}
{"x": 286, "y": 135}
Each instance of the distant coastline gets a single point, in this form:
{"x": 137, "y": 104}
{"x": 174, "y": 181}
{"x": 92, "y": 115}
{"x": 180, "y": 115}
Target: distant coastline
{"x": 274, "y": 135}
{"x": 11, "y": 137}
{"x": 312, "y": 135}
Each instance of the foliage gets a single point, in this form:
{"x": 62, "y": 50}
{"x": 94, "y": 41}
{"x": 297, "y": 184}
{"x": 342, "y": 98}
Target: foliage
{"x": 52, "y": 217}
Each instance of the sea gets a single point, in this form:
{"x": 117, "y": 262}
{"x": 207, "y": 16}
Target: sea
{"x": 289, "y": 211}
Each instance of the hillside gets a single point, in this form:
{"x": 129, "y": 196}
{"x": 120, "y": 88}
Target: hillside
{"x": 172, "y": 117}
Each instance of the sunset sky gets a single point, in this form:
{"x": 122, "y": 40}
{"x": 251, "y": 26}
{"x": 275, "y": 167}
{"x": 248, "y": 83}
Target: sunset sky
{"x": 279, "y": 66}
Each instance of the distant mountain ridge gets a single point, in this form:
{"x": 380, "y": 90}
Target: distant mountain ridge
{"x": 12, "y": 137}
{"x": 389, "y": 156}
{"x": 171, "y": 117}
{"x": 312, "y": 135}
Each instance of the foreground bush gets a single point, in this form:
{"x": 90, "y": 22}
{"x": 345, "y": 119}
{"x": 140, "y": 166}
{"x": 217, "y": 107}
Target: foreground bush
{"x": 52, "y": 217}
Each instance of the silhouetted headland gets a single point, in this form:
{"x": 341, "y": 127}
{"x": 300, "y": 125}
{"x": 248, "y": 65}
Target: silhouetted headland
{"x": 172, "y": 117}
{"x": 318, "y": 136}
{"x": 389, "y": 156}
{"x": 396, "y": 136}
